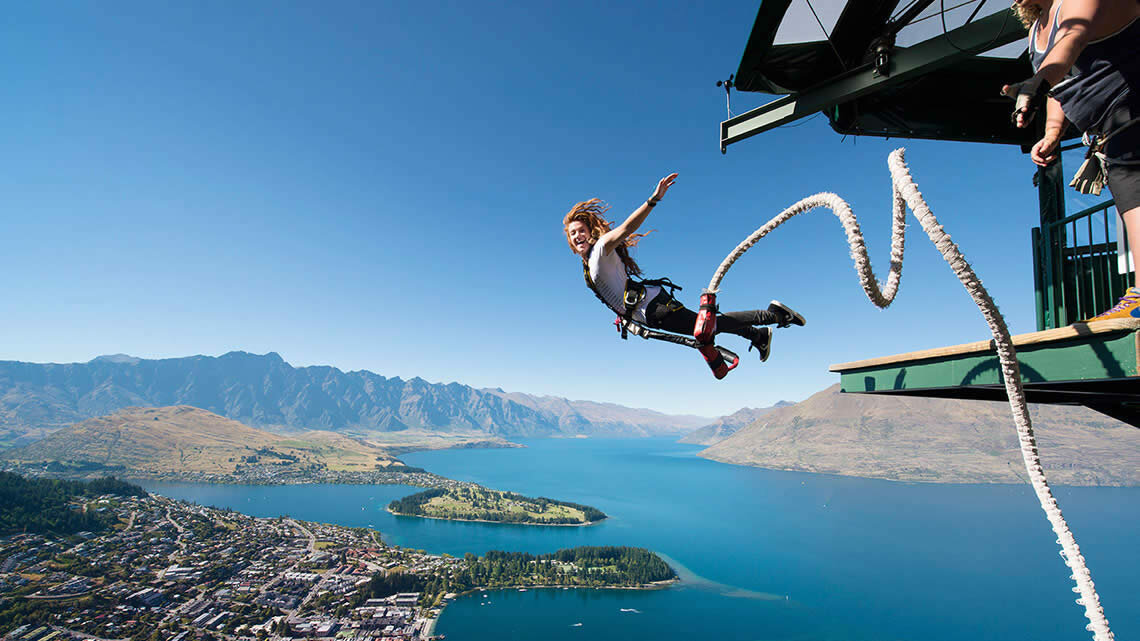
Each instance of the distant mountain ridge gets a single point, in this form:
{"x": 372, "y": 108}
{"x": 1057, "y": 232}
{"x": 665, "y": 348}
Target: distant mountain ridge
{"x": 726, "y": 426}
{"x": 933, "y": 440}
{"x": 265, "y": 391}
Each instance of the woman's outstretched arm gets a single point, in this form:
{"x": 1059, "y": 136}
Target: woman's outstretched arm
{"x": 619, "y": 234}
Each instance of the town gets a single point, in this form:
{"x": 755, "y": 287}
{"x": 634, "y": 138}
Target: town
{"x": 167, "y": 570}
{"x": 180, "y": 571}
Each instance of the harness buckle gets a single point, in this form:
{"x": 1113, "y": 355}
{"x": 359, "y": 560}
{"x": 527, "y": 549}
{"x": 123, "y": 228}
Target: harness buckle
{"x": 619, "y": 325}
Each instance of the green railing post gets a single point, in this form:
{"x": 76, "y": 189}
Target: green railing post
{"x": 1051, "y": 201}
{"x": 1038, "y": 278}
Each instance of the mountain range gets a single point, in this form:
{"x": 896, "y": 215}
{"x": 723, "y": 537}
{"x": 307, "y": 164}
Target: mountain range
{"x": 933, "y": 440}
{"x": 267, "y": 392}
{"x": 901, "y": 438}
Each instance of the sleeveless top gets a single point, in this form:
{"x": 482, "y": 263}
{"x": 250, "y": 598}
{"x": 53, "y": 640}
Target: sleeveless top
{"x": 609, "y": 276}
{"x": 1104, "y": 78}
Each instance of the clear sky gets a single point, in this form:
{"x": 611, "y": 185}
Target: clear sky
{"x": 380, "y": 185}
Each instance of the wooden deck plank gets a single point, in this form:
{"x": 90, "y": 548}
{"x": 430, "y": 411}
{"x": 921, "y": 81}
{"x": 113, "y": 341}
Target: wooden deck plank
{"x": 1075, "y": 331}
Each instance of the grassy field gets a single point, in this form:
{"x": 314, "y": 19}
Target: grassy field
{"x": 464, "y": 509}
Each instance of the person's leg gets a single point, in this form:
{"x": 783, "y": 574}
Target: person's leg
{"x": 1124, "y": 183}
{"x": 1132, "y": 230}
{"x": 666, "y": 313}
{"x": 740, "y": 323}
{"x": 1123, "y": 174}
{"x": 776, "y": 314}
{"x": 677, "y": 319}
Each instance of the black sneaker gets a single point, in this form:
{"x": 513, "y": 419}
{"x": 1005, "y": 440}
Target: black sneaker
{"x": 762, "y": 341}
{"x": 785, "y": 315}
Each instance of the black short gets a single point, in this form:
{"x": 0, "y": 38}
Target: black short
{"x": 1124, "y": 183}
{"x": 1123, "y": 154}
{"x": 667, "y": 313}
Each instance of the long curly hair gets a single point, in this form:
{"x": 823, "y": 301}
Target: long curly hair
{"x": 591, "y": 212}
{"x": 1027, "y": 14}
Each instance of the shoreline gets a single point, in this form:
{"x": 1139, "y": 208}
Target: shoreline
{"x": 429, "y": 630}
{"x": 442, "y": 518}
{"x": 656, "y": 585}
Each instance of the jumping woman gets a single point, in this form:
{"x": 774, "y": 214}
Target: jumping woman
{"x": 611, "y": 273}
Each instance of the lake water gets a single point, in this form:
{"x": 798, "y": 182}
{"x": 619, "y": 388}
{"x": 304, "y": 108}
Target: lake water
{"x": 764, "y": 555}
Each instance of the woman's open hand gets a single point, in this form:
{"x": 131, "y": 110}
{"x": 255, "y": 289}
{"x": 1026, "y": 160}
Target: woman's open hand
{"x": 663, "y": 186}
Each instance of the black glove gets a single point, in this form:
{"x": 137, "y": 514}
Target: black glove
{"x": 1029, "y": 98}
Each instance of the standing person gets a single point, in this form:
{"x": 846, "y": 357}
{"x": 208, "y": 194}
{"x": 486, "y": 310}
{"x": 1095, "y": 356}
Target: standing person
{"x": 608, "y": 269}
{"x": 1086, "y": 66}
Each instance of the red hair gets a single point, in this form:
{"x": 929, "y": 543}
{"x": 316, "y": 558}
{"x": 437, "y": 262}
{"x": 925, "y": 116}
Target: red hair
{"x": 590, "y": 213}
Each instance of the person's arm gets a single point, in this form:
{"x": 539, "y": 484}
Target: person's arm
{"x": 1074, "y": 30}
{"x": 619, "y": 234}
{"x": 1045, "y": 151}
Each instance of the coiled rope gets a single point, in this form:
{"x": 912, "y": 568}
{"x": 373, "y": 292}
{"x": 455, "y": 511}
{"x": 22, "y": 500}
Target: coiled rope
{"x": 905, "y": 193}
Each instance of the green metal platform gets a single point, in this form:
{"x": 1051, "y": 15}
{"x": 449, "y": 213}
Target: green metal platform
{"x": 1092, "y": 364}
{"x": 880, "y": 69}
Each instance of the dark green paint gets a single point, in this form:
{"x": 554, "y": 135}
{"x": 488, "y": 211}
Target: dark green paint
{"x": 1095, "y": 357}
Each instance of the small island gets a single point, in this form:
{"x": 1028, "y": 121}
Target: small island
{"x": 482, "y": 504}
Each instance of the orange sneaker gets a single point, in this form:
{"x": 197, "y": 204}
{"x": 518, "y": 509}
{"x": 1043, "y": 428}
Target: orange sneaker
{"x": 1127, "y": 307}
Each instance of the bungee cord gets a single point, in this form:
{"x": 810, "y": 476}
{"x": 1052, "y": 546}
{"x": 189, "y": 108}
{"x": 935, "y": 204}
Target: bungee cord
{"x": 905, "y": 194}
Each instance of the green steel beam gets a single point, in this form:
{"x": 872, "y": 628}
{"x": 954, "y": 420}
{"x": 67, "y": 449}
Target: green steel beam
{"x": 1092, "y": 358}
{"x": 905, "y": 64}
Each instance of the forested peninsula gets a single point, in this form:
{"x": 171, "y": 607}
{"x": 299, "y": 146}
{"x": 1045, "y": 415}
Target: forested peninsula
{"x": 482, "y": 504}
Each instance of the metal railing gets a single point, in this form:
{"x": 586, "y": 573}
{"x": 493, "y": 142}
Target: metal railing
{"x": 1080, "y": 269}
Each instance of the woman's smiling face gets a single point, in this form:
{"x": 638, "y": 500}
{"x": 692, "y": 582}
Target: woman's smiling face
{"x": 578, "y": 233}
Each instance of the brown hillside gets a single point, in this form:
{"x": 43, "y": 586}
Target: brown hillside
{"x": 185, "y": 439}
{"x": 933, "y": 440}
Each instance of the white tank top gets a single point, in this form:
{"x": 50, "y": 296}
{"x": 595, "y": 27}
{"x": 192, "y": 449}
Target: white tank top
{"x": 608, "y": 273}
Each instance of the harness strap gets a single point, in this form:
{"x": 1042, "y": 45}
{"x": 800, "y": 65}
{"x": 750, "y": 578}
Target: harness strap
{"x": 720, "y": 360}
{"x": 632, "y": 297}
{"x": 1091, "y": 176}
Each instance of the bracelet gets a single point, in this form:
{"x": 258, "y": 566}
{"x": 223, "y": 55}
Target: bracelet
{"x": 652, "y": 202}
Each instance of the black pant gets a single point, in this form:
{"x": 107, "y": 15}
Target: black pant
{"x": 665, "y": 312}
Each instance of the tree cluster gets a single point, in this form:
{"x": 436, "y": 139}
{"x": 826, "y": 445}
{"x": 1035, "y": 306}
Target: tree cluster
{"x": 414, "y": 504}
{"x": 386, "y": 584}
{"x": 584, "y": 566}
{"x": 45, "y": 505}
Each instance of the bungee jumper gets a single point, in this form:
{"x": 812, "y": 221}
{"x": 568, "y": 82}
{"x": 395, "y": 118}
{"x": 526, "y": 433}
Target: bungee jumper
{"x": 647, "y": 308}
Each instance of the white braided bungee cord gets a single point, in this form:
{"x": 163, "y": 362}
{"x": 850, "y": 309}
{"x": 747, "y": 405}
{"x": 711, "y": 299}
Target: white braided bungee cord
{"x": 906, "y": 193}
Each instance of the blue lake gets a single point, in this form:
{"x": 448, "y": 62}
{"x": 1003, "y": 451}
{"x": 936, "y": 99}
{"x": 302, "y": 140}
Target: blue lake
{"x": 764, "y": 555}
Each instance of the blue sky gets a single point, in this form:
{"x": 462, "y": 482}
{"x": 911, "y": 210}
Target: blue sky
{"x": 380, "y": 185}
